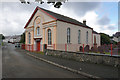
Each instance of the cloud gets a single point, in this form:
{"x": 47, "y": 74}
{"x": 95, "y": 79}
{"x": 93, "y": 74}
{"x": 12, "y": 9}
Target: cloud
{"x": 13, "y": 19}
{"x": 14, "y": 16}
{"x": 81, "y": 8}
{"x": 110, "y": 27}
{"x": 104, "y": 20}
{"x": 99, "y": 24}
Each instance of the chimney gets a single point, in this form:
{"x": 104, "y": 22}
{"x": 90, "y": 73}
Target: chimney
{"x": 84, "y": 22}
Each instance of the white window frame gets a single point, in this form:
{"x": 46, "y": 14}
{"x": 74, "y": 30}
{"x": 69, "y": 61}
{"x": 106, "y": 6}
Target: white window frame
{"x": 29, "y": 38}
{"x": 49, "y": 37}
{"x": 38, "y": 30}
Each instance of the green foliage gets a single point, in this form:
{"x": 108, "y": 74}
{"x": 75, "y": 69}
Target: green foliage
{"x": 2, "y": 44}
{"x": 105, "y": 39}
{"x": 39, "y": 52}
{"x": 2, "y": 36}
{"x": 107, "y": 52}
{"x": 114, "y": 42}
{"x": 22, "y": 38}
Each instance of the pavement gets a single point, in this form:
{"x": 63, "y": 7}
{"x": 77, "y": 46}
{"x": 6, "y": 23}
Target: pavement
{"x": 17, "y": 64}
{"x": 99, "y": 70}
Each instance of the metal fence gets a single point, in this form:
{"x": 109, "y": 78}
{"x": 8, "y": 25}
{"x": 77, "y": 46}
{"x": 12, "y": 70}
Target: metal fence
{"x": 111, "y": 49}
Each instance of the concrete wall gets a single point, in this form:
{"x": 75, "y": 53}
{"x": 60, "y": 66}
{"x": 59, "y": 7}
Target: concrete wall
{"x": 87, "y": 57}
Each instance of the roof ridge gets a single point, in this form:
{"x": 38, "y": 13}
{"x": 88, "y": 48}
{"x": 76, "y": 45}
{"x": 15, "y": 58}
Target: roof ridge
{"x": 59, "y": 17}
{"x": 58, "y": 14}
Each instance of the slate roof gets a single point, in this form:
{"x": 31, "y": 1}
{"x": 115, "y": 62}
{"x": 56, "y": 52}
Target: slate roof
{"x": 95, "y": 32}
{"x": 59, "y": 17}
{"x": 117, "y": 34}
{"x": 64, "y": 18}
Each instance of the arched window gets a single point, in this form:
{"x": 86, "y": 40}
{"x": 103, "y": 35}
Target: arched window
{"x": 68, "y": 35}
{"x": 79, "y": 33}
{"x": 29, "y": 38}
{"x": 49, "y": 37}
{"x": 87, "y": 37}
{"x": 38, "y": 30}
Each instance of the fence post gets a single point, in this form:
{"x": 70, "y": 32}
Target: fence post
{"x": 32, "y": 47}
{"x": 29, "y": 47}
{"x": 111, "y": 49}
{"x": 44, "y": 48}
{"x": 83, "y": 48}
{"x": 54, "y": 46}
{"x": 25, "y": 46}
{"x": 65, "y": 47}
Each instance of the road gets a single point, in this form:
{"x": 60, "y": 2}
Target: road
{"x": 19, "y": 65}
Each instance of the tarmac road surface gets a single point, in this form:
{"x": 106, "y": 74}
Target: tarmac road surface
{"x": 19, "y": 65}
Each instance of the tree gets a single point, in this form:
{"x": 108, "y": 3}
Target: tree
{"x": 22, "y": 40}
{"x": 105, "y": 39}
{"x": 56, "y": 3}
{"x": 2, "y": 36}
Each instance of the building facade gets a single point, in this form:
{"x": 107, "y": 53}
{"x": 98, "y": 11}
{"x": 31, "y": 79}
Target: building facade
{"x": 116, "y": 37}
{"x": 58, "y": 32}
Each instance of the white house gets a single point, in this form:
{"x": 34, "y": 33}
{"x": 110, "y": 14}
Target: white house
{"x": 13, "y": 39}
{"x": 116, "y": 37}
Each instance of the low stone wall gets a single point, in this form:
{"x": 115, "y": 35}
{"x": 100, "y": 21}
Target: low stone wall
{"x": 86, "y": 57}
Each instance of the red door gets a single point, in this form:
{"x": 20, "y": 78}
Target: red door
{"x": 38, "y": 45}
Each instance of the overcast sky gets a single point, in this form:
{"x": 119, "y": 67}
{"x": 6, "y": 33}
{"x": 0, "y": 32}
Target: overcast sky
{"x": 101, "y": 16}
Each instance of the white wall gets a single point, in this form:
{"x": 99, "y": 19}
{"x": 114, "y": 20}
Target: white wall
{"x": 98, "y": 39}
{"x": 62, "y": 34}
{"x": 115, "y": 39}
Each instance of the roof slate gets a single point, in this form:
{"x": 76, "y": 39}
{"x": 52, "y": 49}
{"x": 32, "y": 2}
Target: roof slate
{"x": 58, "y": 17}
{"x": 65, "y": 18}
{"x": 95, "y": 32}
{"x": 117, "y": 34}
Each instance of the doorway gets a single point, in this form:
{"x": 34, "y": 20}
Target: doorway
{"x": 38, "y": 45}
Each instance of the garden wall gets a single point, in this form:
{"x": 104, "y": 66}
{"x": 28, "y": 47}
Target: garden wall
{"x": 86, "y": 57}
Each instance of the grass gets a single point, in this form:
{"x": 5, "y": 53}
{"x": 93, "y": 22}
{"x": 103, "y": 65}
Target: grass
{"x": 99, "y": 52}
{"x": 107, "y": 52}
{"x": 2, "y": 44}
{"x": 93, "y": 52}
{"x": 39, "y": 52}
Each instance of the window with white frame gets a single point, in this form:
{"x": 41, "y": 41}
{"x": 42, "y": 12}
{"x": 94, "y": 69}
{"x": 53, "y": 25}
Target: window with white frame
{"x": 38, "y": 30}
{"x": 87, "y": 37}
{"x": 79, "y": 33}
{"x": 68, "y": 35}
{"x": 49, "y": 37}
{"x": 29, "y": 38}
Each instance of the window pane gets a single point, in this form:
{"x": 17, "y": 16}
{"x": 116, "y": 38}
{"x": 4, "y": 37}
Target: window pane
{"x": 78, "y": 36}
{"x": 38, "y": 31}
{"x": 49, "y": 37}
{"x": 29, "y": 38}
{"x": 68, "y": 35}
{"x": 87, "y": 37}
